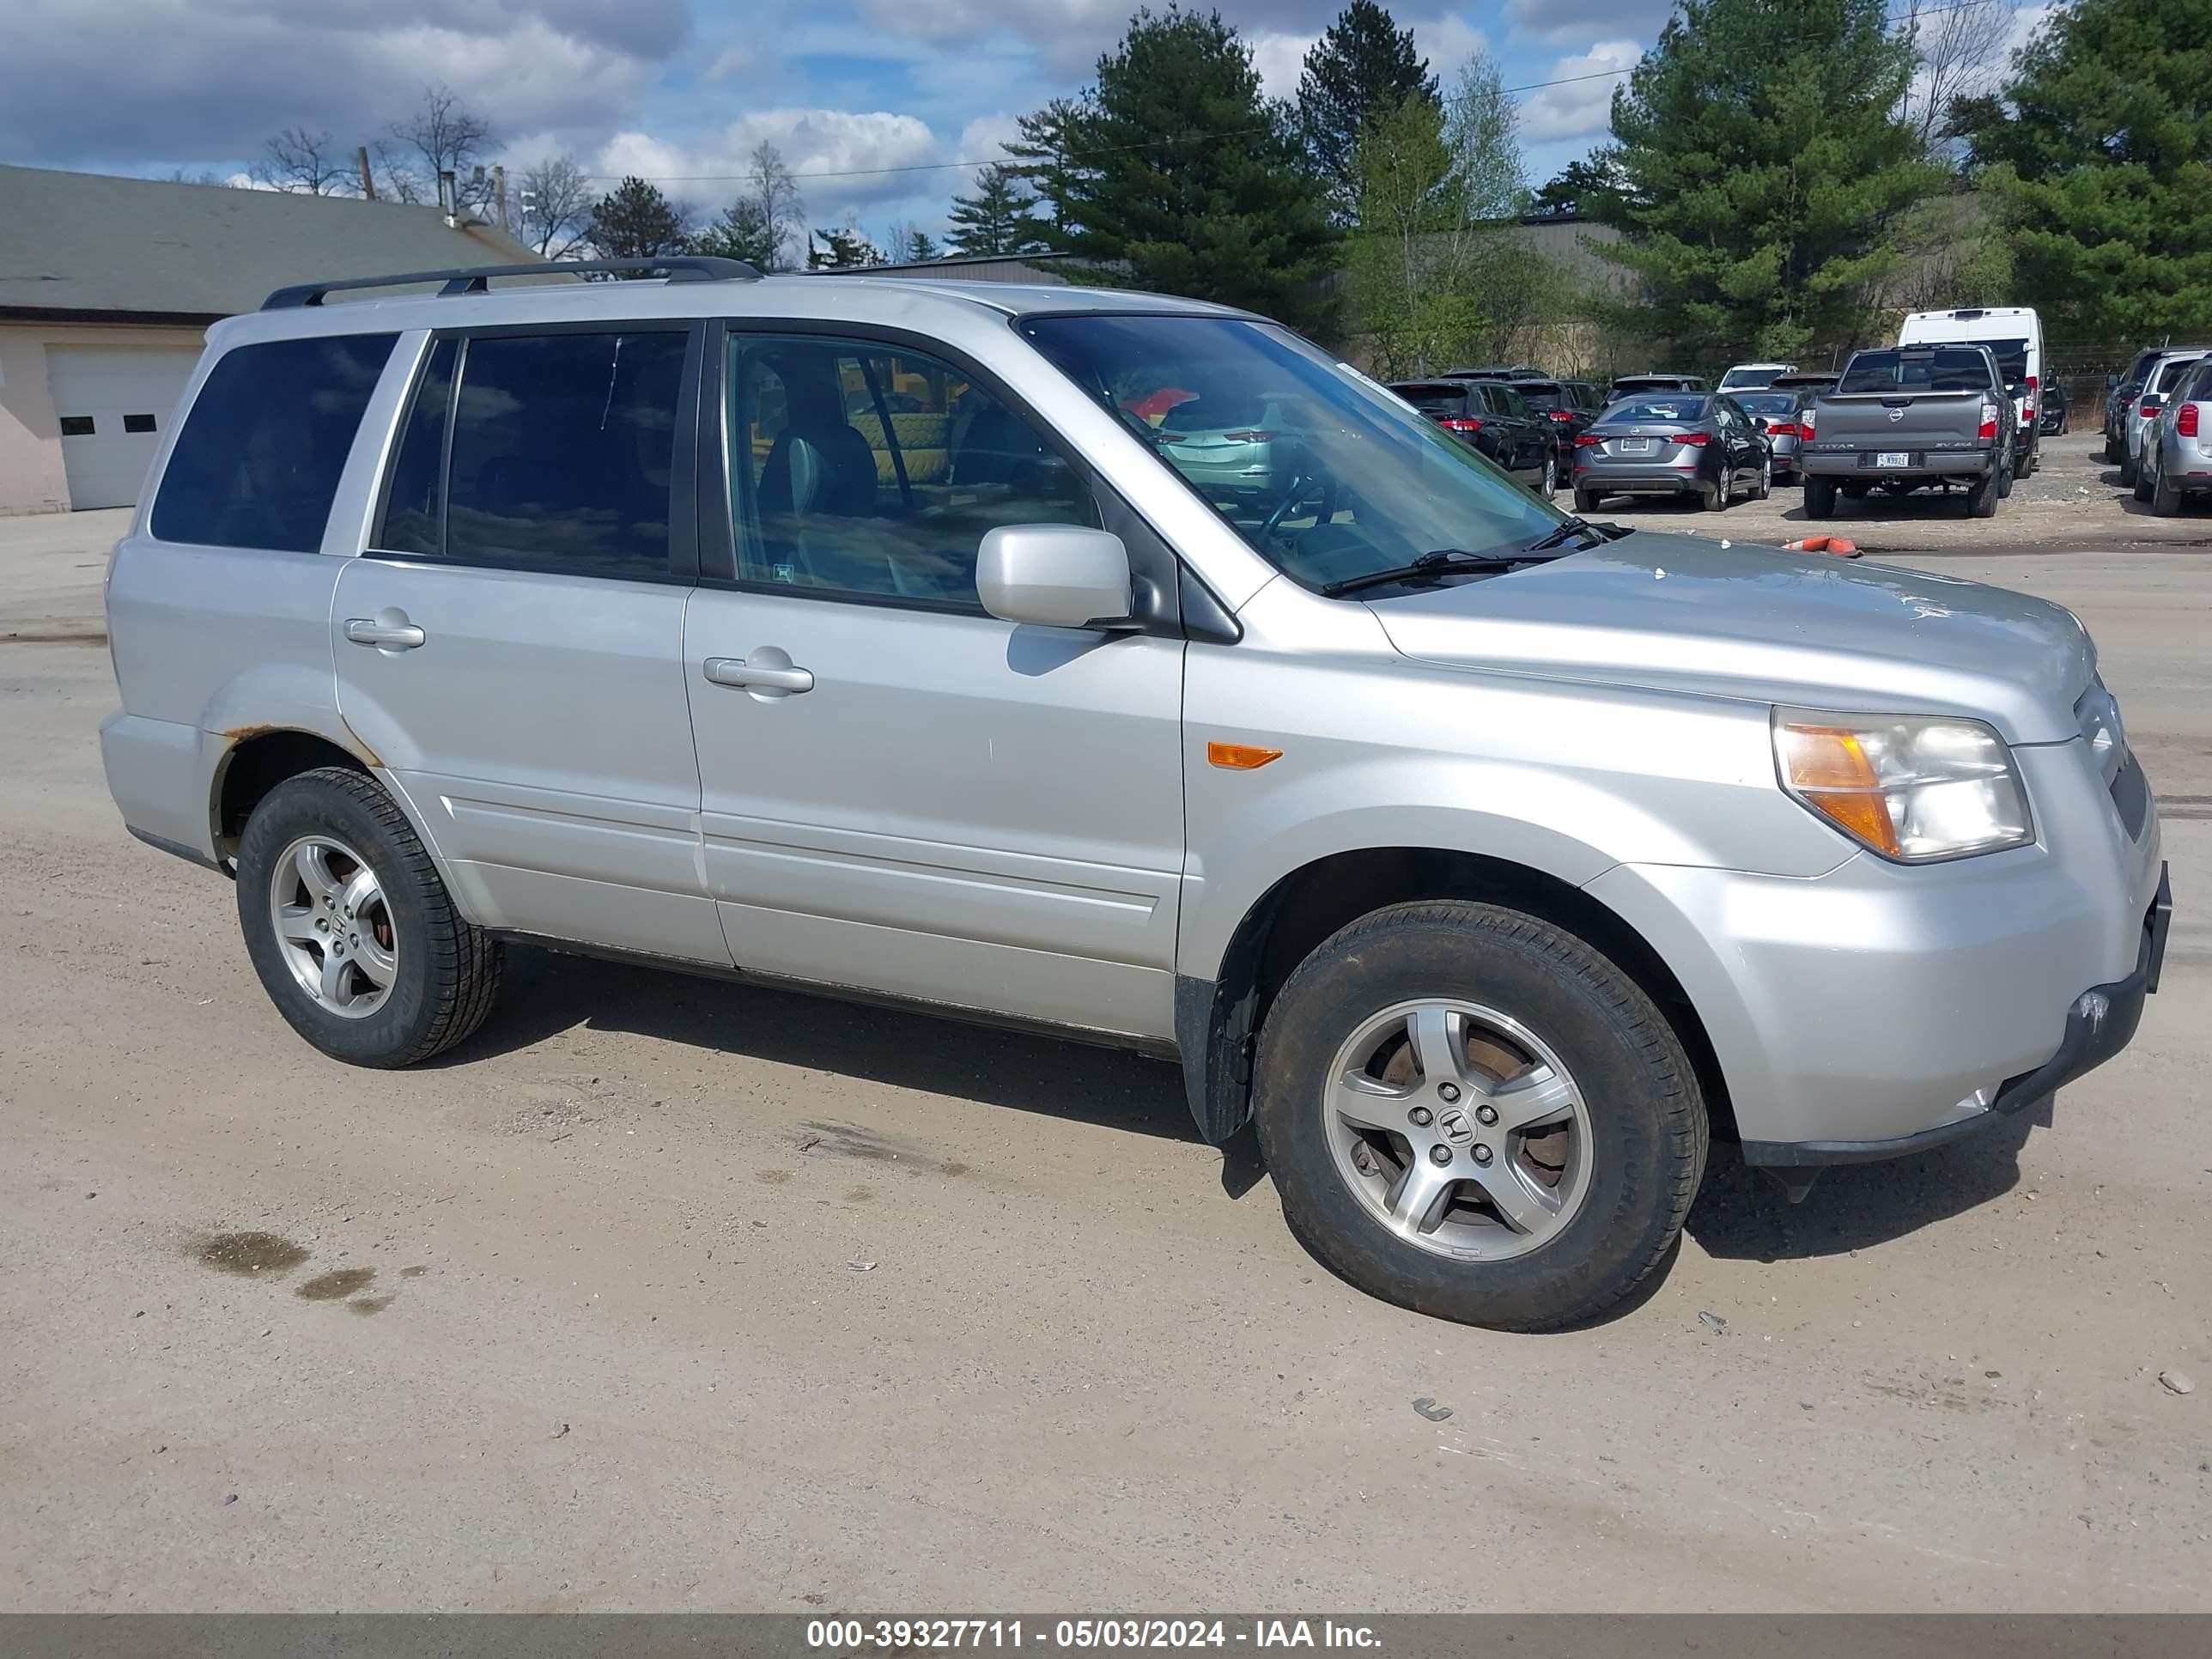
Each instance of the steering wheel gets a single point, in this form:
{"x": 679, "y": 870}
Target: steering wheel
{"x": 1302, "y": 485}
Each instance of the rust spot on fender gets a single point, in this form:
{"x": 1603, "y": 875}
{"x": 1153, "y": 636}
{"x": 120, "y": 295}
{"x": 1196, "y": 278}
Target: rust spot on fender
{"x": 360, "y": 750}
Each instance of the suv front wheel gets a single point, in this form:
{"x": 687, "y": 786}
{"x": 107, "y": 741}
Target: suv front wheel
{"x": 1471, "y": 1113}
{"x": 350, "y": 927}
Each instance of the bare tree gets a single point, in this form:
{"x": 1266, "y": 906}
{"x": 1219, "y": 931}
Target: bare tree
{"x": 397, "y": 180}
{"x": 1961, "y": 47}
{"x": 774, "y": 191}
{"x": 306, "y": 163}
{"x": 556, "y": 207}
{"x": 446, "y": 137}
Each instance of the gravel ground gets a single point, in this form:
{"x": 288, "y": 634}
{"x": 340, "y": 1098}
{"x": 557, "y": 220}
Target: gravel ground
{"x": 2072, "y": 499}
{"x": 666, "y": 1294}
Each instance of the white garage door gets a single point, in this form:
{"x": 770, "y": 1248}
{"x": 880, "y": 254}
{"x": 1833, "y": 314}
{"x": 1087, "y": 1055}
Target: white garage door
{"x": 115, "y": 402}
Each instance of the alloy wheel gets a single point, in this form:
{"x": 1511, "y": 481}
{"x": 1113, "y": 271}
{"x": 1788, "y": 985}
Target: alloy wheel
{"x": 1458, "y": 1129}
{"x": 334, "y": 927}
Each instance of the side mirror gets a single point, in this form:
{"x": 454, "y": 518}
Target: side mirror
{"x": 1054, "y": 576}
{"x": 2111, "y": 380}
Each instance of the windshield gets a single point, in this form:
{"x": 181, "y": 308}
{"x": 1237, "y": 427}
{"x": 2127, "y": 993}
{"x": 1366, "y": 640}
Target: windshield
{"x": 1543, "y": 394}
{"x": 1917, "y": 368}
{"x": 1362, "y": 483}
{"x": 1767, "y": 403}
{"x": 1668, "y": 410}
{"x": 1747, "y": 377}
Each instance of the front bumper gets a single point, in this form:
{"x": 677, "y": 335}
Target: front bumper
{"x": 1889, "y": 1006}
{"x": 2101, "y": 1021}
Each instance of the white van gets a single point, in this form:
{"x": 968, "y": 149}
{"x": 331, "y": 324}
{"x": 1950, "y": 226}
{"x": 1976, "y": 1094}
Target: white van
{"x": 2015, "y": 335}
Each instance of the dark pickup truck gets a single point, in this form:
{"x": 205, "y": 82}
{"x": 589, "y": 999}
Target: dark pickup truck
{"x": 1904, "y": 418}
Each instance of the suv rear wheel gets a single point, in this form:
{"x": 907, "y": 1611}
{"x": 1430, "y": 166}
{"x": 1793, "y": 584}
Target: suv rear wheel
{"x": 350, "y": 928}
{"x": 1819, "y": 497}
{"x": 1471, "y": 1113}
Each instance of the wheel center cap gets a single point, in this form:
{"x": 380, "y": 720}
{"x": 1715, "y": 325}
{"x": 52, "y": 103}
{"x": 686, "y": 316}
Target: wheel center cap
{"x": 1456, "y": 1128}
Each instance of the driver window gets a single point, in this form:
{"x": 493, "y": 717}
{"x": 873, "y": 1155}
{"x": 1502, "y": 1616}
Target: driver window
{"x": 874, "y": 472}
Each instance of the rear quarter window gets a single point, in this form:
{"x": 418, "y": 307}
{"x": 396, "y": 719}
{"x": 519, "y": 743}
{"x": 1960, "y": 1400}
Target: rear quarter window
{"x": 257, "y": 460}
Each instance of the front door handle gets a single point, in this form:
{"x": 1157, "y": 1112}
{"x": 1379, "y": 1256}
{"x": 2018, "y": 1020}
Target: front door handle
{"x": 391, "y": 630}
{"x": 767, "y": 670}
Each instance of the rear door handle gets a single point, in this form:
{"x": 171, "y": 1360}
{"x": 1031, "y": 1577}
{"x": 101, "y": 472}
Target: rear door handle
{"x": 774, "y": 673}
{"x": 377, "y": 630}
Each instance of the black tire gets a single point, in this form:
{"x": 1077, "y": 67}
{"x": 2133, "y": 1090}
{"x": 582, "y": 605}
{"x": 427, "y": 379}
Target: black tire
{"x": 2143, "y": 485}
{"x": 448, "y": 968}
{"x": 1820, "y": 496}
{"x": 2165, "y": 496}
{"x": 1714, "y": 498}
{"x": 2111, "y": 450}
{"x": 1649, "y": 1132}
{"x": 2130, "y": 474}
{"x": 1586, "y": 501}
{"x": 1981, "y": 499}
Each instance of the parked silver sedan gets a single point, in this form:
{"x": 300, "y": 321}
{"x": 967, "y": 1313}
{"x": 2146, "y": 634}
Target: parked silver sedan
{"x": 2139, "y": 418}
{"x": 2178, "y": 448}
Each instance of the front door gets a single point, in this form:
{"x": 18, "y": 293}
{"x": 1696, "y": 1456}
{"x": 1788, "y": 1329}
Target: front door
{"x": 511, "y": 645}
{"x": 903, "y": 793}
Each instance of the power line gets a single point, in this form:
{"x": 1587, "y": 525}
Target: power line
{"x": 1160, "y": 143}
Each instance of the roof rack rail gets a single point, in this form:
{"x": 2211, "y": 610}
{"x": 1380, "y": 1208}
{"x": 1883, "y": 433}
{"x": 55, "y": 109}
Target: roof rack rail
{"x": 680, "y": 268}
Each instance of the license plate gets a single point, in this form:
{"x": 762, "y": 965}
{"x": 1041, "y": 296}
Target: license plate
{"x": 1893, "y": 458}
{"x": 1632, "y": 446}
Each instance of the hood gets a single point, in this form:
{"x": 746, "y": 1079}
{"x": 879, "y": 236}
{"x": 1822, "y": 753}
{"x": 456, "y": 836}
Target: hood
{"x": 1682, "y": 613}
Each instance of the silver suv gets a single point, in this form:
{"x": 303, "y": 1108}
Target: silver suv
{"x": 878, "y": 634}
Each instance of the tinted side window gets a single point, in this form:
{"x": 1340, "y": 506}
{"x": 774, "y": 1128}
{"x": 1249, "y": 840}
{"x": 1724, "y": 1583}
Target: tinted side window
{"x": 863, "y": 470}
{"x": 563, "y": 451}
{"x": 260, "y": 457}
{"x": 413, "y": 504}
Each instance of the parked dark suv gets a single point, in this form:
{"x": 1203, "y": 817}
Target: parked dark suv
{"x": 1567, "y": 406}
{"x": 1493, "y": 418}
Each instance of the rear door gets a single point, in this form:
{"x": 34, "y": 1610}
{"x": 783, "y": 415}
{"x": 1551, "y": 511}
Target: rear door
{"x": 510, "y": 645}
{"x": 904, "y": 793}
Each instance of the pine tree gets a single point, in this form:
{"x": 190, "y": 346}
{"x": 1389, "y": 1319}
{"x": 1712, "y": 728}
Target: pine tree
{"x": 740, "y": 231}
{"x": 840, "y": 250}
{"x": 997, "y": 217}
{"x": 1182, "y": 177}
{"x": 635, "y": 221}
{"x": 1762, "y": 163}
{"x": 1364, "y": 67}
{"x": 2102, "y": 168}
{"x": 1046, "y": 161}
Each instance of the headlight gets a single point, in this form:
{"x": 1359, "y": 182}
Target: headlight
{"x": 1912, "y": 789}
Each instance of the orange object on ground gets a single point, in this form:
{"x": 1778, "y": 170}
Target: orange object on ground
{"x": 1838, "y": 545}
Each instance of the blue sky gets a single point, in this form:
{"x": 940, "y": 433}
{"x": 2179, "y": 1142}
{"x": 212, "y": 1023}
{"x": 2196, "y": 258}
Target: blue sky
{"x": 681, "y": 90}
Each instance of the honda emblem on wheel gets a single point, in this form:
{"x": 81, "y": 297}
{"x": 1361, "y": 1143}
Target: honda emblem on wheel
{"x": 1456, "y": 1128}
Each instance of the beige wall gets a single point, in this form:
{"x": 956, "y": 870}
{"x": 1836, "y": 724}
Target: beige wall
{"x": 31, "y": 479}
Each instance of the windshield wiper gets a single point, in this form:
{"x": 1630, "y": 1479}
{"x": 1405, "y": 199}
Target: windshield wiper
{"x": 1430, "y": 567}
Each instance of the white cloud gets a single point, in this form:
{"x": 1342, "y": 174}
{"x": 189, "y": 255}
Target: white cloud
{"x": 985, "y": 138}
{"x": 135, "y": 82}
{"x": 1583, "y": 107}
{"x": 1447, "y": 42}
{"x": 1280, "y": 59}
{"x": 842, "y": 159}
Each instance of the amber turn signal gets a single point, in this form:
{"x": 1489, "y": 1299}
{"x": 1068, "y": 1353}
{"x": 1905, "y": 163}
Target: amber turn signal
{"x": 1239, "y": 756}
{"x": 1829, "y": 768}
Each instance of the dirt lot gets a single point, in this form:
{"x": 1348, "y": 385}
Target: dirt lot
{"x": 2072, "y": 499}
{"x": 662, "y": 1294}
